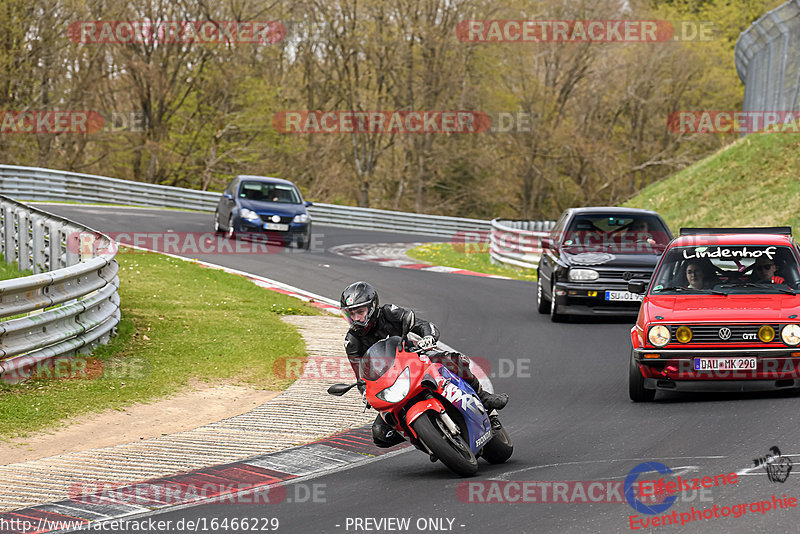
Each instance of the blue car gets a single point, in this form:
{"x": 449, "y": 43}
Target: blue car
{"x": 262, "y": 207}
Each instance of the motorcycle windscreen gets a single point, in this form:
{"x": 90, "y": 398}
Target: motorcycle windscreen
{"x": 379, "y": 358}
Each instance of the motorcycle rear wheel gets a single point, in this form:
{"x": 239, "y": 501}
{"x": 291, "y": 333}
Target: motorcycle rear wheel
{"x": 450, "y": 449}
{"x": 499, "y": 448}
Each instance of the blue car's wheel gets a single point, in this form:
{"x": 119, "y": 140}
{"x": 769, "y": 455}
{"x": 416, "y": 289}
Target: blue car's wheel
{"x": 229, "y": 232}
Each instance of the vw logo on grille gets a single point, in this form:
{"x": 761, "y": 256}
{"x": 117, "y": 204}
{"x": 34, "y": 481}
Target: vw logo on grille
{"x": 276, "y": 218}
{"x": 627, "y": 275}
{"x": 725, "y": 333}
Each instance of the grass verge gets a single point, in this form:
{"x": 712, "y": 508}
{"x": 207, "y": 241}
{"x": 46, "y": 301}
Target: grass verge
{"x": 449, "y": 255}
{"x": 9, "y": 270}
{"x": 751, "y": 182}
{"x": 181, "y": 323}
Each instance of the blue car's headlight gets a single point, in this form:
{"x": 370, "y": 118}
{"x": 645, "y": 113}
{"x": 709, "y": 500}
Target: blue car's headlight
{"x": 250, "y": 215}
{"x": 301, "y": 218}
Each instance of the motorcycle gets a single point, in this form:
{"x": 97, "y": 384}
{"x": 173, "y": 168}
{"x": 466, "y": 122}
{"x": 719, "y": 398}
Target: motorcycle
{"x": 431, "y": 407}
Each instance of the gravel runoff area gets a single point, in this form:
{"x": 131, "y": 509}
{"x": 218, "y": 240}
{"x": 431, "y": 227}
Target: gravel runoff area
{"x": 302, "y": 414}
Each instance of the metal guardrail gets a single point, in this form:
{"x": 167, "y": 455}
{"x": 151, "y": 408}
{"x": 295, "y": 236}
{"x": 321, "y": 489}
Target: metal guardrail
{"x": 71, "y": 299}
{"x": 32, "y": 183}
{"x": 517, "y": 243}
{"x": 395, "y": 221}
{"x": 767, "y": 57}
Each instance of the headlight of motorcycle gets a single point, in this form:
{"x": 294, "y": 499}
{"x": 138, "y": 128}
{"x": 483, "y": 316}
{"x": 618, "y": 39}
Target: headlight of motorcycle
{"x": 791, "y": 334}
{"x": 301, "y": 218}
{"x": 583, "y": 275}
{"x": 658, "y": 335}
{"x": 250, "y": 215}
{"x": 397, "y": 391}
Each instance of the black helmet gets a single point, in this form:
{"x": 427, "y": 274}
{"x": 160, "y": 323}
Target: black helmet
{"x": 355, "y": 296}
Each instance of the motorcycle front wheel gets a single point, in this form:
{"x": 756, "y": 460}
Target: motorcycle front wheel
{"x": 450, "y": 449}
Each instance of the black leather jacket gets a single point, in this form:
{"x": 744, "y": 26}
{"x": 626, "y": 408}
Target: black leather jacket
{"x": 392, "y": 321}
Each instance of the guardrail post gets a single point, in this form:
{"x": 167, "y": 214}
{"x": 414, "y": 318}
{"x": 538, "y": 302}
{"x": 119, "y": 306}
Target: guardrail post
{"x": 39, "y": 249}
{"x": 13, "y": 237}
{"x": 8, "y": 234}
{"x": 56, "y": 261}
{"x": 71, "y": 245}
{"x": 23, "y": 243}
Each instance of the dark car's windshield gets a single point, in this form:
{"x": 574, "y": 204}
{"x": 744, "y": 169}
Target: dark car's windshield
{"x": 268, "y": 192}
{"x": 727, "y": 269}
{"x": 629, "y": 234}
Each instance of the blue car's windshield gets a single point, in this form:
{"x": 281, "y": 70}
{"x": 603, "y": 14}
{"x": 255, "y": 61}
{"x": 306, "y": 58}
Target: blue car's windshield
{"x": 267, "y": 192}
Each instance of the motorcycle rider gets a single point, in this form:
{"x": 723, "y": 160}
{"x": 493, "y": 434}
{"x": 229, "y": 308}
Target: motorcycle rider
{"x": 370, "y": 322}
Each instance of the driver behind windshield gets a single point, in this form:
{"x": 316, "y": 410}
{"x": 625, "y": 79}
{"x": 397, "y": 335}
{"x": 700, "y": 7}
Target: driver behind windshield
{"x": 641, "y": 231}
{"x": 698, "y": 275}
{"x": 764, "y": 270}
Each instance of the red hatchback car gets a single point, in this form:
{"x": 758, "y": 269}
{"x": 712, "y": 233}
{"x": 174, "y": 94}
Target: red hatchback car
{"x": 721, "y": 313}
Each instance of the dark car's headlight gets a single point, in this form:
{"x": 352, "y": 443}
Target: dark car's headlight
{"x": 250, "y": 215}
{"x": 583, "y": 275}
{"x": 301, "y": 218}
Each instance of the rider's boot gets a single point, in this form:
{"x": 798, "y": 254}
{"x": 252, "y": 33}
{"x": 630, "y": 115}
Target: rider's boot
{"x": 495, "y": 420}
{"x": 491, "y": 401}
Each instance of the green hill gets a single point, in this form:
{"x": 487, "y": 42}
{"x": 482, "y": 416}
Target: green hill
{"x": 754, "y": 181}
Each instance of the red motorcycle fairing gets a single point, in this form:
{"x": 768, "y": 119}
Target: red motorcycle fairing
{"x": 421, "y": 407}
{"x": 383, "y": 367}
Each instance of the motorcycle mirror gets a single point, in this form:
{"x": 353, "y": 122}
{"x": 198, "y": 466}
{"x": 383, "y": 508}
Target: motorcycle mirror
{"x": 340, "y": 389}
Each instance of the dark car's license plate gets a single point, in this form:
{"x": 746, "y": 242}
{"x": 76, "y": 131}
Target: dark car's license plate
{"x": 623, "y": 295}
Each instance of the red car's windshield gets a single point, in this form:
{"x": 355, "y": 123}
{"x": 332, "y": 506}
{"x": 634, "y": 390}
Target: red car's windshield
{"x": 747, "y": 269}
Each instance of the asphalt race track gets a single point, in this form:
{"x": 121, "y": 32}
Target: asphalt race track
{"x": 569, "y": 415}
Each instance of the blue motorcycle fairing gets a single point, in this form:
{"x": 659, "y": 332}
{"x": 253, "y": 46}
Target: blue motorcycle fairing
{"x": 463, "y": 397}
